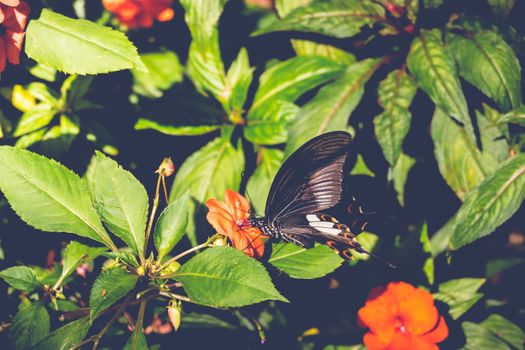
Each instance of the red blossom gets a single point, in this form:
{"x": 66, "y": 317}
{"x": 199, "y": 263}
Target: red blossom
{"x": 140, "y": 13}
{"x": 13, "y": 19}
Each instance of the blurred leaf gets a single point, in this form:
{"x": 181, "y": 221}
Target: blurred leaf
{"x": 22, "y": 99}
{"x": 137, "y": 340}
{"x": 70, "y": 45}
{"x": 121, "y": 201}
{"x": 440, "y": 240}
{"x": 489, "y": 205}
{"x": 399, "y": 175}
{"x": 432, "y": 4}
{"x": 30, "y": 325}
{"x": 460, "y": 294}
{"x": 486, "y": 61}
{"x": 171, "y": 225}
{"x": 395, "y": 94}
{"x": 38, "y": 189}
{"x": 186, "y": 130}
{"x": 360, "y": 167}
{"x": 43, "y": 72}
{"x": 238, "y": 81}
{"x": 43, "y": 93}
{"x": 203, "y": 321}
{"x": 435, "y": 72}
{"x": 20, "y": 277}
{"x": 501, "y": 8}
{"x": 164, "y": 70}
{"x": 345, "y": 347}
{"x": 298, "y": 262}
{"x": 76, "y": 254}
{"x": 428, "y": 265}
{"x": 368, "y": 241}
{"x": 226, "y": 277}
{"x": 34, "y": 119}
{"x": 110, "y": 286}
{"x": 30, "y": 139}
{"x": 258, "y": 186}
{"x": 505, "y": 330}
{"x": 338, "y": 18}
{"x": 460, "y": 162}
{"x": 207, "y": 173}
{"x": 495, "y": 333}
{"x": 497, "y": 266}
{"x": 65, "y": 337}
{"x": 307, "y": 47}
{"x": 73, "y": 90}
{"x": 330, "y": 109}
{"x": 516, "y": 116}
{"x": 493, "y": 135}
{"x": 283, "y": 7}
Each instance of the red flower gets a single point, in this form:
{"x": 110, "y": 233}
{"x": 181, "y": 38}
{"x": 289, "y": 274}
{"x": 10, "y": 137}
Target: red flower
{"x": 13, "y": 18}
{"x": 402, "y": 317}
{"x": 231, "y": 219}
{"x": 140, "y": 13}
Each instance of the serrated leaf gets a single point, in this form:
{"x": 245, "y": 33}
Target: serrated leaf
{"x": 298, "y": 262}
{"x": 171, "y": 225}
{"x": 30, "y": 325}
{"x": 460, "y": 162}
{"x": 494, "y": 201}
{"x": 78, "y": 46}
{"x": 34, "y": 119}
{"x": 20, "y": 277}
{"x": 120, "y": 200}
{"x": 76, "y": 254}
{"x": 65, "y": 337}
{"x": 330, "y": 109}
{"x": 338, "y": 18}
{"x": 164, "y": 70}
{"x": 505, "y": 330}
{"x": 435, "y": 72}
{"x": 486, "y": 61}
{"x": 226, "y": 277}
{"x": 110, "y": 286}
{"x": 395, "y": 94}
{"x": 481, "y": 338}
{"x": 207, "y": 173}
{"x": 259, "y": 184}
{"x": 39, "y": 189}
{"x": 460, "y": 294}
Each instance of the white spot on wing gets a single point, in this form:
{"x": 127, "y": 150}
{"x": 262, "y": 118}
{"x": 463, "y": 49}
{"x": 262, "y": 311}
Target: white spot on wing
{"x": 312, "y": 217}
{"x": 330, "y": 231}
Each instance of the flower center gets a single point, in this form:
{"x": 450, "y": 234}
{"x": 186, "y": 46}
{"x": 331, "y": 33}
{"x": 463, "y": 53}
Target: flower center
{"x": 242, "y": 223}
{"x": 399, "y": 325}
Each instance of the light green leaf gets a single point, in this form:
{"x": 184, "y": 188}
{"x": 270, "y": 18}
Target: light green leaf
{"x": 440, "y": 240}
{"x": 284, "y": 7}
{"x": 171, "y": 225}
{"x": 78, "y": 46}
{"x": 399, "y": 175}
{"x": 20, "y": 277}
{"x": 395, "y": 94}
{"x": 43, "y": 93}
{"x": 120, "y": 200}
{"x": 516, "y": 116}
{"x": 360, "y": 167}
{"x": 368, "y": 240}
{"x": 501, "y": 8}
{"x": 76, "y": 254}
{"x": 307, "y": 47}
{"x": 34, "y": 119}
{"x": 164, "y": 70}
{"x": 460, "y": 294}
{"x": 65, "y": 337}
{"x": 238, "y": 81}
{"x": 30, "y": 139}
{"x": 330, "y": 109}
{"x": 505, "y": 330}
{"x": 460, "y": 162}
{"x": 48, "y": 196}
{"x": 268, "y": 124}
{"x": 258, "y": 185}
{"x": 486, "y": 61}
{"x": 494, "y": 201}
{"x": 434, "y": 69}
{"x": 30, "y": 325}
{"x": 187, "y": 130}
{"x": 207, "y": 173}
{"x": 298, "y": 262}
{"x": 428, "y": 265}
{"x": 338, "y": 18}
{"x": 226, "y": 277}
{"x": 109, "y": 287}
{"x": 493, "y": 135}
{"x": 481, "y": 338}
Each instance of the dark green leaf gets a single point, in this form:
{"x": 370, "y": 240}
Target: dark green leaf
{"x": 226, "y": 277}
{"x": 20, "y": 277}
{"x": 258, "y": 185}
{"x": 30, "y": 325}
{"x": 66, "y": 336}
{"x": 171, "y": 225}
{"x": 489, "y": 205}
{"x": 164, "y": 70}
{"x": 70, "y": 45}
{"x": 501, "y": 8}
{"x": 200, "y": 321}
{"x": 109, "y": 287}
{"x": 298, "y": 262}
{"x": 399, "y": 175}
{"x": 137, "y": 341}
{"x": 497, "y": 266}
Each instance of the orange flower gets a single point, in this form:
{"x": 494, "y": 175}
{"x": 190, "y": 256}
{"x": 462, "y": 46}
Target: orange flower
{"x": 140, "y": 13}
{"x": 232, "y": 219}
{"x": 13, "y": 17}
{"x": 402, "y": 317}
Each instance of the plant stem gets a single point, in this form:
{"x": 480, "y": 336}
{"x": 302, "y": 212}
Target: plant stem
{"x": 151, "y": 217}
{"x": 175, "y": 296}
{"x": 165, "y": 190}
{"x": 184, "y": 253}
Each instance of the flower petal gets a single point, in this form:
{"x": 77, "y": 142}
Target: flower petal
{"x": 13, "y": 46}
{"x": 16, "y": 17}
{"x": 11, "y": 3}
{"x": 2, "y": 55}
{"x": 221, "y": 224}
{"x": 406, "y": 341}
{"x": 238, "y": 205}
{"x": 379, "y": 314}
{"x": 439, "y": 333}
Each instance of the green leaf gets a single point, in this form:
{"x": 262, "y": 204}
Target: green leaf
{"x": 120, "y": 200}
{"x": 30, "y": 139}
{"x": 34, "y": 119}
{"x": 225, "y": 277}
{"x": 485, "y": 337}
{"x": 207, "y": 173}
{"x": 495, "y": 200}
{"x": 501, "y": 8}
{"x": 78, "y": 46}
{"x": 360, "y": 167}
{"x": 395, "y": 94}
{"x": 497, "y": 266}
{"x": 486, "y": 61}
{"x": 30, "y": 325}
{"x": 203, "y": 321}
{"x": 505, "y": 330}
{"x": 259, "y": 184}
{"x": 268, "y": 125}
{"x": 440, "y": 240}
{"x": 434, "y": 69}
{"x": 283, "y": 7}
{"x": 65, "y": 337}
{"x": 516, "y": 116}
{"x": 330, "y": 109}
{"x": 306, "y": 47}
{"x": 493, "y": 135}
{"x": 368, "y": 241}
{"x": 238, "y": 81}
{"x": 338, "y": 18}
{"x": 43, "y": 93}
{"x": 428, "y": 265}
{"x": 48, "y": 196}
{"x": 398, "y": 174}
{"x": 76, "y": 254}
{"x": 298, "y": 262}
{"x": 164, "y": 70}
{"x": 109, "y": 287}
{"x": 20, "y": 277}
{"x": 187, "y": 130}
{"x": 137, "y": 341}
{"x": 171, "y": 225}
{"x": 460, "y": 294}
{"x": 460, "y": 162}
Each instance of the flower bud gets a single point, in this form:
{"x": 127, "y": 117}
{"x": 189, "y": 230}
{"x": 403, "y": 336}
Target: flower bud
{"x": 172, "y": 268}
{"x": 219, "y": 241}
{"x": 174, "y": 314}
{"x": 166, "y": 168}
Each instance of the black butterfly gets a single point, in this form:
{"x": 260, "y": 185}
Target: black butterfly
{"x": 308, "y": 183}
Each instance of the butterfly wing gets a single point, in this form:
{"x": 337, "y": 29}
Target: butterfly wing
{"x": 310, "y": 180}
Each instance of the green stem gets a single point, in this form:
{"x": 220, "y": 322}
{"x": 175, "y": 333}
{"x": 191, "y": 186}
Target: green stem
{"x": 152, "y": 217}
{"x": 184, "y": 253}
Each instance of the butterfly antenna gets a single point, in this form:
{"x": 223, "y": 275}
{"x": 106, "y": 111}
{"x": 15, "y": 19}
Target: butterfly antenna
{"x": 360, "y": 249}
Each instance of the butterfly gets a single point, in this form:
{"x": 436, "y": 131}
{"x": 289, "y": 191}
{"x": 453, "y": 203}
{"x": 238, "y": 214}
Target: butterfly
{"x": 308, "y": 183}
